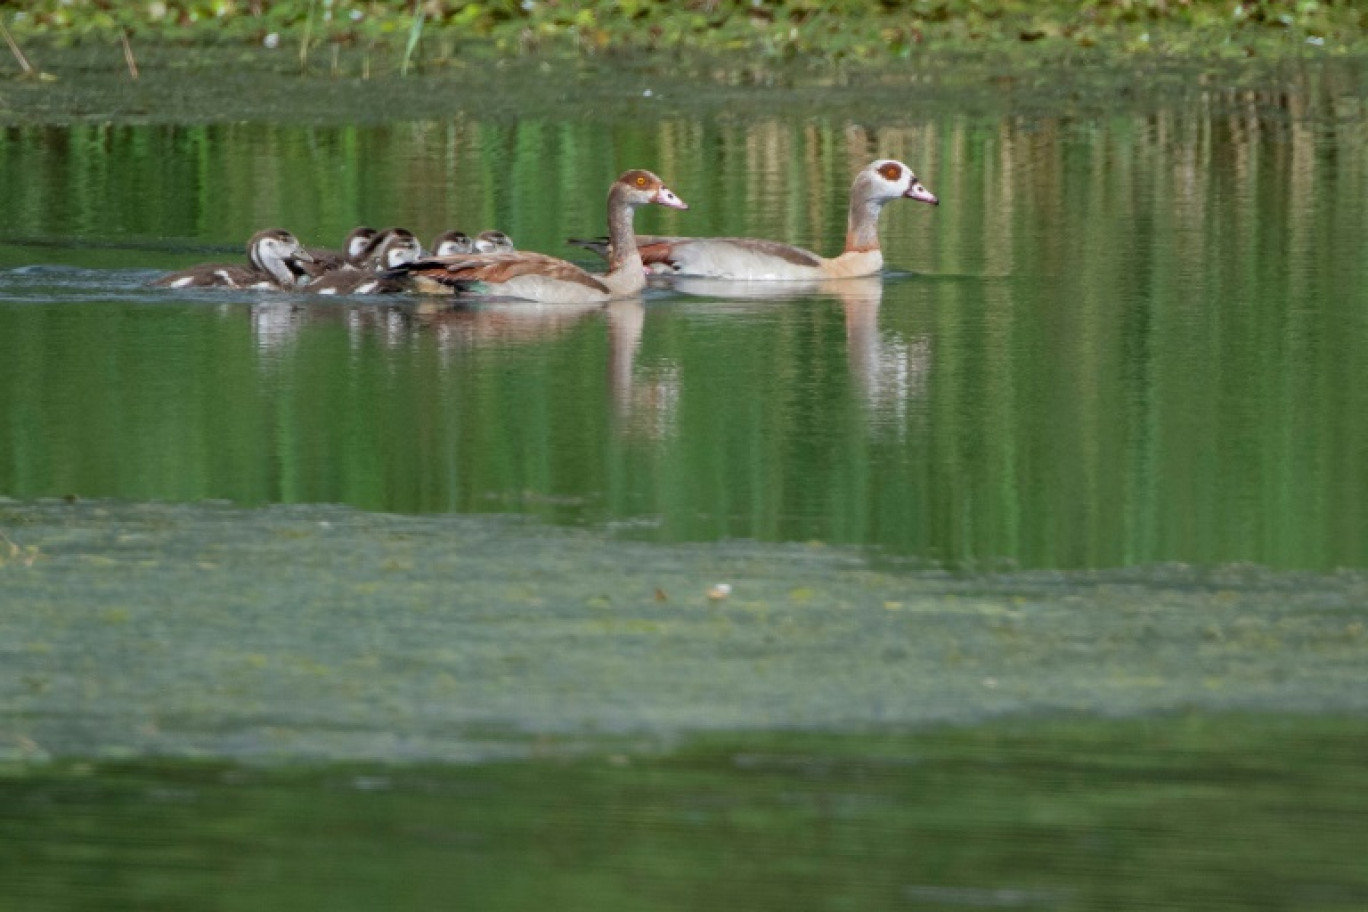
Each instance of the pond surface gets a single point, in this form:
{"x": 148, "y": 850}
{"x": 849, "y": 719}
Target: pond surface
{"x": 1184, "y": 814}
{"x": 1092, "y": 447}
{"x": 1120, "y": 339}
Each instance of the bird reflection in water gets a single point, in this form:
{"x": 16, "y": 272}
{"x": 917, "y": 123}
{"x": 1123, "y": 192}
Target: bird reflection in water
{"x": 888, "y": 370}
{"x": 276, "y": 325}
{"x": 459, "y": 327}
{"x": 645, "y": 398}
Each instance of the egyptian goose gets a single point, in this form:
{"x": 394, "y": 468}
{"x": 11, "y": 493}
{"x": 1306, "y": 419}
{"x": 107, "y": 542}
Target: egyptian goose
{"x": 277, "y": 260}
{"x": 395, "y": 247}
{"x": 755, "y": 259}
{"x": 546, "y": 279}
{"x": 450, "y": 242}
{"x": 353, "y": 246}
{"x": 493, "y": 242}
{"x": 387, "y": 239}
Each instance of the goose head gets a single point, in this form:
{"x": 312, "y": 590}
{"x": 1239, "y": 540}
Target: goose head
{"x": 493, "y": 242}
{"x": 450, "y": 243}
{"x": 372, "y": 257}
{"x": 398, "y": 247}
{"x": 355, "y": 244}
{"x": 887, "y": 179}
{"x": 639, "y": 187}
{"x": 278, "y": 252}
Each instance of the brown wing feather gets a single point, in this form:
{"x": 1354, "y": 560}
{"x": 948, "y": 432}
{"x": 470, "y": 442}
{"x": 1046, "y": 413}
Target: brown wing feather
{"x": 495, "y": 268}
{"x": 598, "y": 245}
{"x": 654, "y": 248}
{"x": 209, "y": 275}
{"x": 353, "y": 281}
{"x": 651, "y": 254}
{"x": 324, "y": 261}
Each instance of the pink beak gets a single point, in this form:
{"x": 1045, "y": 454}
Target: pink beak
{"x": 666, "y": 197}
{"x": 920, "y": 193}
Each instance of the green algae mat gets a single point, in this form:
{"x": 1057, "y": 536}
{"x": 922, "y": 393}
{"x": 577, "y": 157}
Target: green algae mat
{"x": 323, "y": 632}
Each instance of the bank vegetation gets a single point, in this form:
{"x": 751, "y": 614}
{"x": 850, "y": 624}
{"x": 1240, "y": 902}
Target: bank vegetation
{"x": 874, "y": 30}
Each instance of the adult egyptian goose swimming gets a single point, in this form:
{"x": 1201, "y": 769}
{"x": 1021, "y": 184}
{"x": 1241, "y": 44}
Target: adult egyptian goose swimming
{"x": 547, "y": 279}
{"x": 276, "y": 259}
{"x": 396, "y": 247}
{"x": 353, "y": 246}
{"x": 754, "y": 259}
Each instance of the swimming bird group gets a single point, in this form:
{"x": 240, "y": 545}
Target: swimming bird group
{"x": 393, "y": 260}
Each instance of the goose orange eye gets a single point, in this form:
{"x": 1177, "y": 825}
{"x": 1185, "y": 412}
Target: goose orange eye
{"x": 891, "y": 172}
{"x": 640, "y": 181}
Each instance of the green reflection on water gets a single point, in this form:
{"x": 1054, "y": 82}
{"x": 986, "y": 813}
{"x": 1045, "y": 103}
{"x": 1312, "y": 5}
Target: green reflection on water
{"x": 1173, "y": 813}
{"x": 1135, "y": 334}
{"x": 1131, "y": 337}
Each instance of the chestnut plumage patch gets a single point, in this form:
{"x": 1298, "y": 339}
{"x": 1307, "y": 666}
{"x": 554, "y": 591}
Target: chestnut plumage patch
{"x": 636, "y": 178}
{"x": 891, "y": 172}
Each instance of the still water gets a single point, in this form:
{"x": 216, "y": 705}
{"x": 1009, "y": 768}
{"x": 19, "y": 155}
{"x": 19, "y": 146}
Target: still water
{"x": 1119, "y": 340}
{"x": 1091, "y": 447}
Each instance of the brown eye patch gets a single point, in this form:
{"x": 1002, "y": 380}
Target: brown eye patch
{"x": 891, "y": 172}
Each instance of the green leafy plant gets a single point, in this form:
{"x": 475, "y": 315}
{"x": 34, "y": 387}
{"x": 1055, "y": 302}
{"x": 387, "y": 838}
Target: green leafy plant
{"x": 833, "y": 29}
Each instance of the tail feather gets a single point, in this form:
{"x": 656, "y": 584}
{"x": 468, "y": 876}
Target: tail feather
{"x": 598, "y": 245}
{"x": 420, "y": 273}
{"x": 654, "y": 252}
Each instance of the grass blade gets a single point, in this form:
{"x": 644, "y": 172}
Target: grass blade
{"x": 415, "y": 33}
{"x": 14, "y": 48}
{"x": 128, "y": 53}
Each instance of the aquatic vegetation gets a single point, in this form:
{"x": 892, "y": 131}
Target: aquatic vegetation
{"x": 835, "y": 29}
{"x": 332, "y": 633}
{"x": 11, "y": 552}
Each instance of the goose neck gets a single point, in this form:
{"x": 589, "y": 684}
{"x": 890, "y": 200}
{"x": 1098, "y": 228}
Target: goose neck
{"x": 266, "y": 259}
{"x": 622, "y": 245}
{"x": 862, "y": 227}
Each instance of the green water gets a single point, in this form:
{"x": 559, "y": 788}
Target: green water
{"x": 1046, "y": 549}
{"x": 1062, "y": 817}
{"x": 359, "y": 709}
{"x": 1121, "y": 339}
